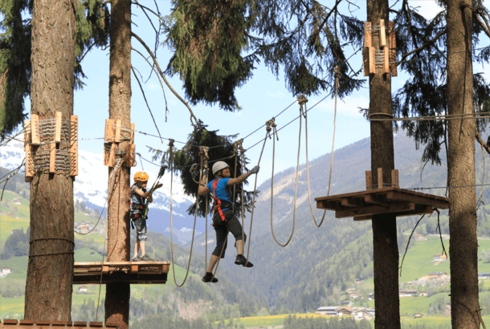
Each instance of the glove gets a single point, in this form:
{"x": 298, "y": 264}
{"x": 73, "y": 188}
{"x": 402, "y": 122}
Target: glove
{"x": 255, "y": 170}
{"x": 205, "y": 173}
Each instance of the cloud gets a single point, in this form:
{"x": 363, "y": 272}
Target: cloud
{"x": 348, "y": 106}
{"x": 276, "y": 95}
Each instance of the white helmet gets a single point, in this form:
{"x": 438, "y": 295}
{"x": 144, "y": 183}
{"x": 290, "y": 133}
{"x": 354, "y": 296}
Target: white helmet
{"x": 220, "y": 165}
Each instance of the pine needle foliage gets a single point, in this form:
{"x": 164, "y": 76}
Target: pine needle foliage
{"x": 221, "y": 149}
{"x": 15, "y": 52}
{"x": 425, "y": 91}
{"x": 217, "y": 44}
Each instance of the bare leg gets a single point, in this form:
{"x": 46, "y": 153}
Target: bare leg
{"x": 239, "y": 247}
{"x": 136, "y": 249}
{"x": 142, "y": 247}
{"x": 212, "y": 263}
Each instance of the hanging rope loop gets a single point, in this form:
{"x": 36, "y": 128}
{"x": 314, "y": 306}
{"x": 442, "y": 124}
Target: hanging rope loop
{"x": 302, "y": 100}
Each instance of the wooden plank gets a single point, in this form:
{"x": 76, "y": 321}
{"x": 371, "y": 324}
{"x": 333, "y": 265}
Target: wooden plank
{"x": 419, "y": 210}
{"x": 28, "y": 150}
{"x": 109, "y": 130}
{"x": 112, "y": 155}
{"x": 372, "y": 198}
{"x": 349, "y": 202}
{"x": 394, "y": 178}
{"x": 382, "y": 33}
{"x": 365, "y": 61}
{"x": 133, "y": 127}
{"x": 57, "y": 127}
{"x": 367, "y": 35}
{"x": 52, "y": 158}
{"x": 74, "y": 146}
{"x": 134, "y": 268}
{"x": 117, "y": 137}
{"x": 393, "y": 67}
{"x": 380, "y": 178}
{"x": 392, "y": 35}
{"x": 372, "y": 65}
{"x": 386, "y": 62}
{"x": 105, "y": 269}
{"x": 375, "y": 210}
{"x": 419, "y": 199}
{"x": 35, "y": 129}
{"x": 369, "y": 180}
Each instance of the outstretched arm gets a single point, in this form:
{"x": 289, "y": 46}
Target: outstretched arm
{"x": 241, "y": 178}
{"x": 203, "y": 189}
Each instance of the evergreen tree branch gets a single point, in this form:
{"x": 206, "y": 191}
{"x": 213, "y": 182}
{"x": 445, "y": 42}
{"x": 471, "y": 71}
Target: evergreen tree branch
{"x": 482, "y": 143}
{"x": 425, "y": 45}
{"x": 159, "y": 80}
{"x": 196, "y": 123}
{"x": 146, "y": 101}
{"x": 146, "y": 8}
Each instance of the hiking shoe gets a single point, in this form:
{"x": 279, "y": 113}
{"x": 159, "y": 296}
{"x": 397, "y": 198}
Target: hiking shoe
{"x": 209, "y": 278}
{"x": 241, "y": 260}
{"x": 136, "y": 259}
{"x": 146, "y": 258}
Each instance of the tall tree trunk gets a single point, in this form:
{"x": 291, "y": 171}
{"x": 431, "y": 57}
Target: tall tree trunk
{"x": 118, "y": 246}
{"x": 463, "y": 241}
{"x": 50, "y": 267}
{"x": 385, "y": 247}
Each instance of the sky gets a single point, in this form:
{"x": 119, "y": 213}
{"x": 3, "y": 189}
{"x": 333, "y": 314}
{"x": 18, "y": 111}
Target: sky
{"x": 261, "y": 98}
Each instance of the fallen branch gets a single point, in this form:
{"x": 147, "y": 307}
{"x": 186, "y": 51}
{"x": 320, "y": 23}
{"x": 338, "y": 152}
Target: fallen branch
{"x": 196, "y": 124}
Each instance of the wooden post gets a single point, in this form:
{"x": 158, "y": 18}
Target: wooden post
{"x": 367, "y": 35}
{"x": 74, "y": 146}
{"x": 112, "y": 154}
{"x": 117, "y": 138}
{"x": 52, "y": 158}
{"x": 35, "y": 129}
{"x": 57, "y": 130}
{"x": 394, "y": 178}
{"x": 392, "y": 38}
{"x": 386, "y": 62}
{"x": 369, "y": 180}
{"x": 109, "y": 130}
{"x": 28, "y": 151}
{"x": 382, "y": 33}
{"x": 380, "y": 178}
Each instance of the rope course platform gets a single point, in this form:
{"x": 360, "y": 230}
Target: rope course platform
{"x": 379, "y": 201}
{"x": 24, "y": 324}
{"x": 129, "y": 272}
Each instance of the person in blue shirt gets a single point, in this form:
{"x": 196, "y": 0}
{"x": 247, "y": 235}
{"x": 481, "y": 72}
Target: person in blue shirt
{"x": 224, "y": 220}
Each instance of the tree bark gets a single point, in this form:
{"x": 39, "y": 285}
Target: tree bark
{"x": 118, "y": 245}
{"x": 50, "y": 267}
{"x": 463, "y": 244}
{"x": 385, "y": 247}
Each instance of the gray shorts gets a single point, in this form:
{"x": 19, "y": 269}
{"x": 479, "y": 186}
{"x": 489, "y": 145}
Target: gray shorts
{"x": 140, "y": 225}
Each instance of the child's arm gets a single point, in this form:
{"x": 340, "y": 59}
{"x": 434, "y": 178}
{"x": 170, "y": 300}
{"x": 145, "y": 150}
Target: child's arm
{"x": 147, "y": 194}
{"x": 203, "y": 189}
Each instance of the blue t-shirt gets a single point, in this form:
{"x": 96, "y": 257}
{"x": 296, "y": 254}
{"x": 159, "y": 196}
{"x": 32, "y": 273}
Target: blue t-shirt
{"x": 223, "y": 190}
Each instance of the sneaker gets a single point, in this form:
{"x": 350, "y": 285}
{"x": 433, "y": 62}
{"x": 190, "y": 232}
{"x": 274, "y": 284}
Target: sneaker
{"x": 136, "y": 259}
{"x": 146, "y": 258}
{"x": 209, "y": 278}
{"x": 241, "y": 260}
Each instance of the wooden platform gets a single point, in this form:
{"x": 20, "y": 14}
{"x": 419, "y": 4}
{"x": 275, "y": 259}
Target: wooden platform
{"x": 24, "y": 324}
{"x": 131, "y": 272}
{"x": 391, "y": 200}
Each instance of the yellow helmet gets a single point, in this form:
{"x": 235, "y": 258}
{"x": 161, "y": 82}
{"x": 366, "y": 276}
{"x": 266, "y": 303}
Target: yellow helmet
{"x": 141, "y": 176}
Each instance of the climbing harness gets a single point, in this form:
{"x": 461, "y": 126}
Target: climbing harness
{"x": 217, "y": 202}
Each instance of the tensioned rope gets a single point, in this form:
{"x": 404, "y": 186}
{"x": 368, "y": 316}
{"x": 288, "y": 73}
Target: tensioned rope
{"x": 171, "y": 161}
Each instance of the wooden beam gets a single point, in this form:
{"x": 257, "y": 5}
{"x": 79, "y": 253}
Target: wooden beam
{"x": 117, "y": 137}
{"x": 426, "y": 199}
{"x": 372, "y": 65}
{"x": 394, "y": 178}
{"x": 382, "y": 33}
{"x": 57, "y": 127}
{"x": 35, "y": 129}
{"x": 375, "y": 210}
{"x": 52, "y": 158}
{"x": 28, "y": 151}
{"x": 419, "y": 210}
{"x": 112, "y": 155}
{"x": 380, "y": 178}
{"x": 348, "y": 202}
{"x": 386, "y": 62}
{"x": 369, "y": 180}
{"x": 372, "y": 198}
{"x": 368, "y": 40}
{"x": 74, "y": 146}
{"x": 109, "y": 130}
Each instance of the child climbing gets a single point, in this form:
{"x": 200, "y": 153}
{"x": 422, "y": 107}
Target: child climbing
{"x": 138, "y": 199}
{"x": 224, "y": 220}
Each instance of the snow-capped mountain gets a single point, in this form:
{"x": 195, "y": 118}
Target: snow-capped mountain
{"x": 90, "y": 186}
